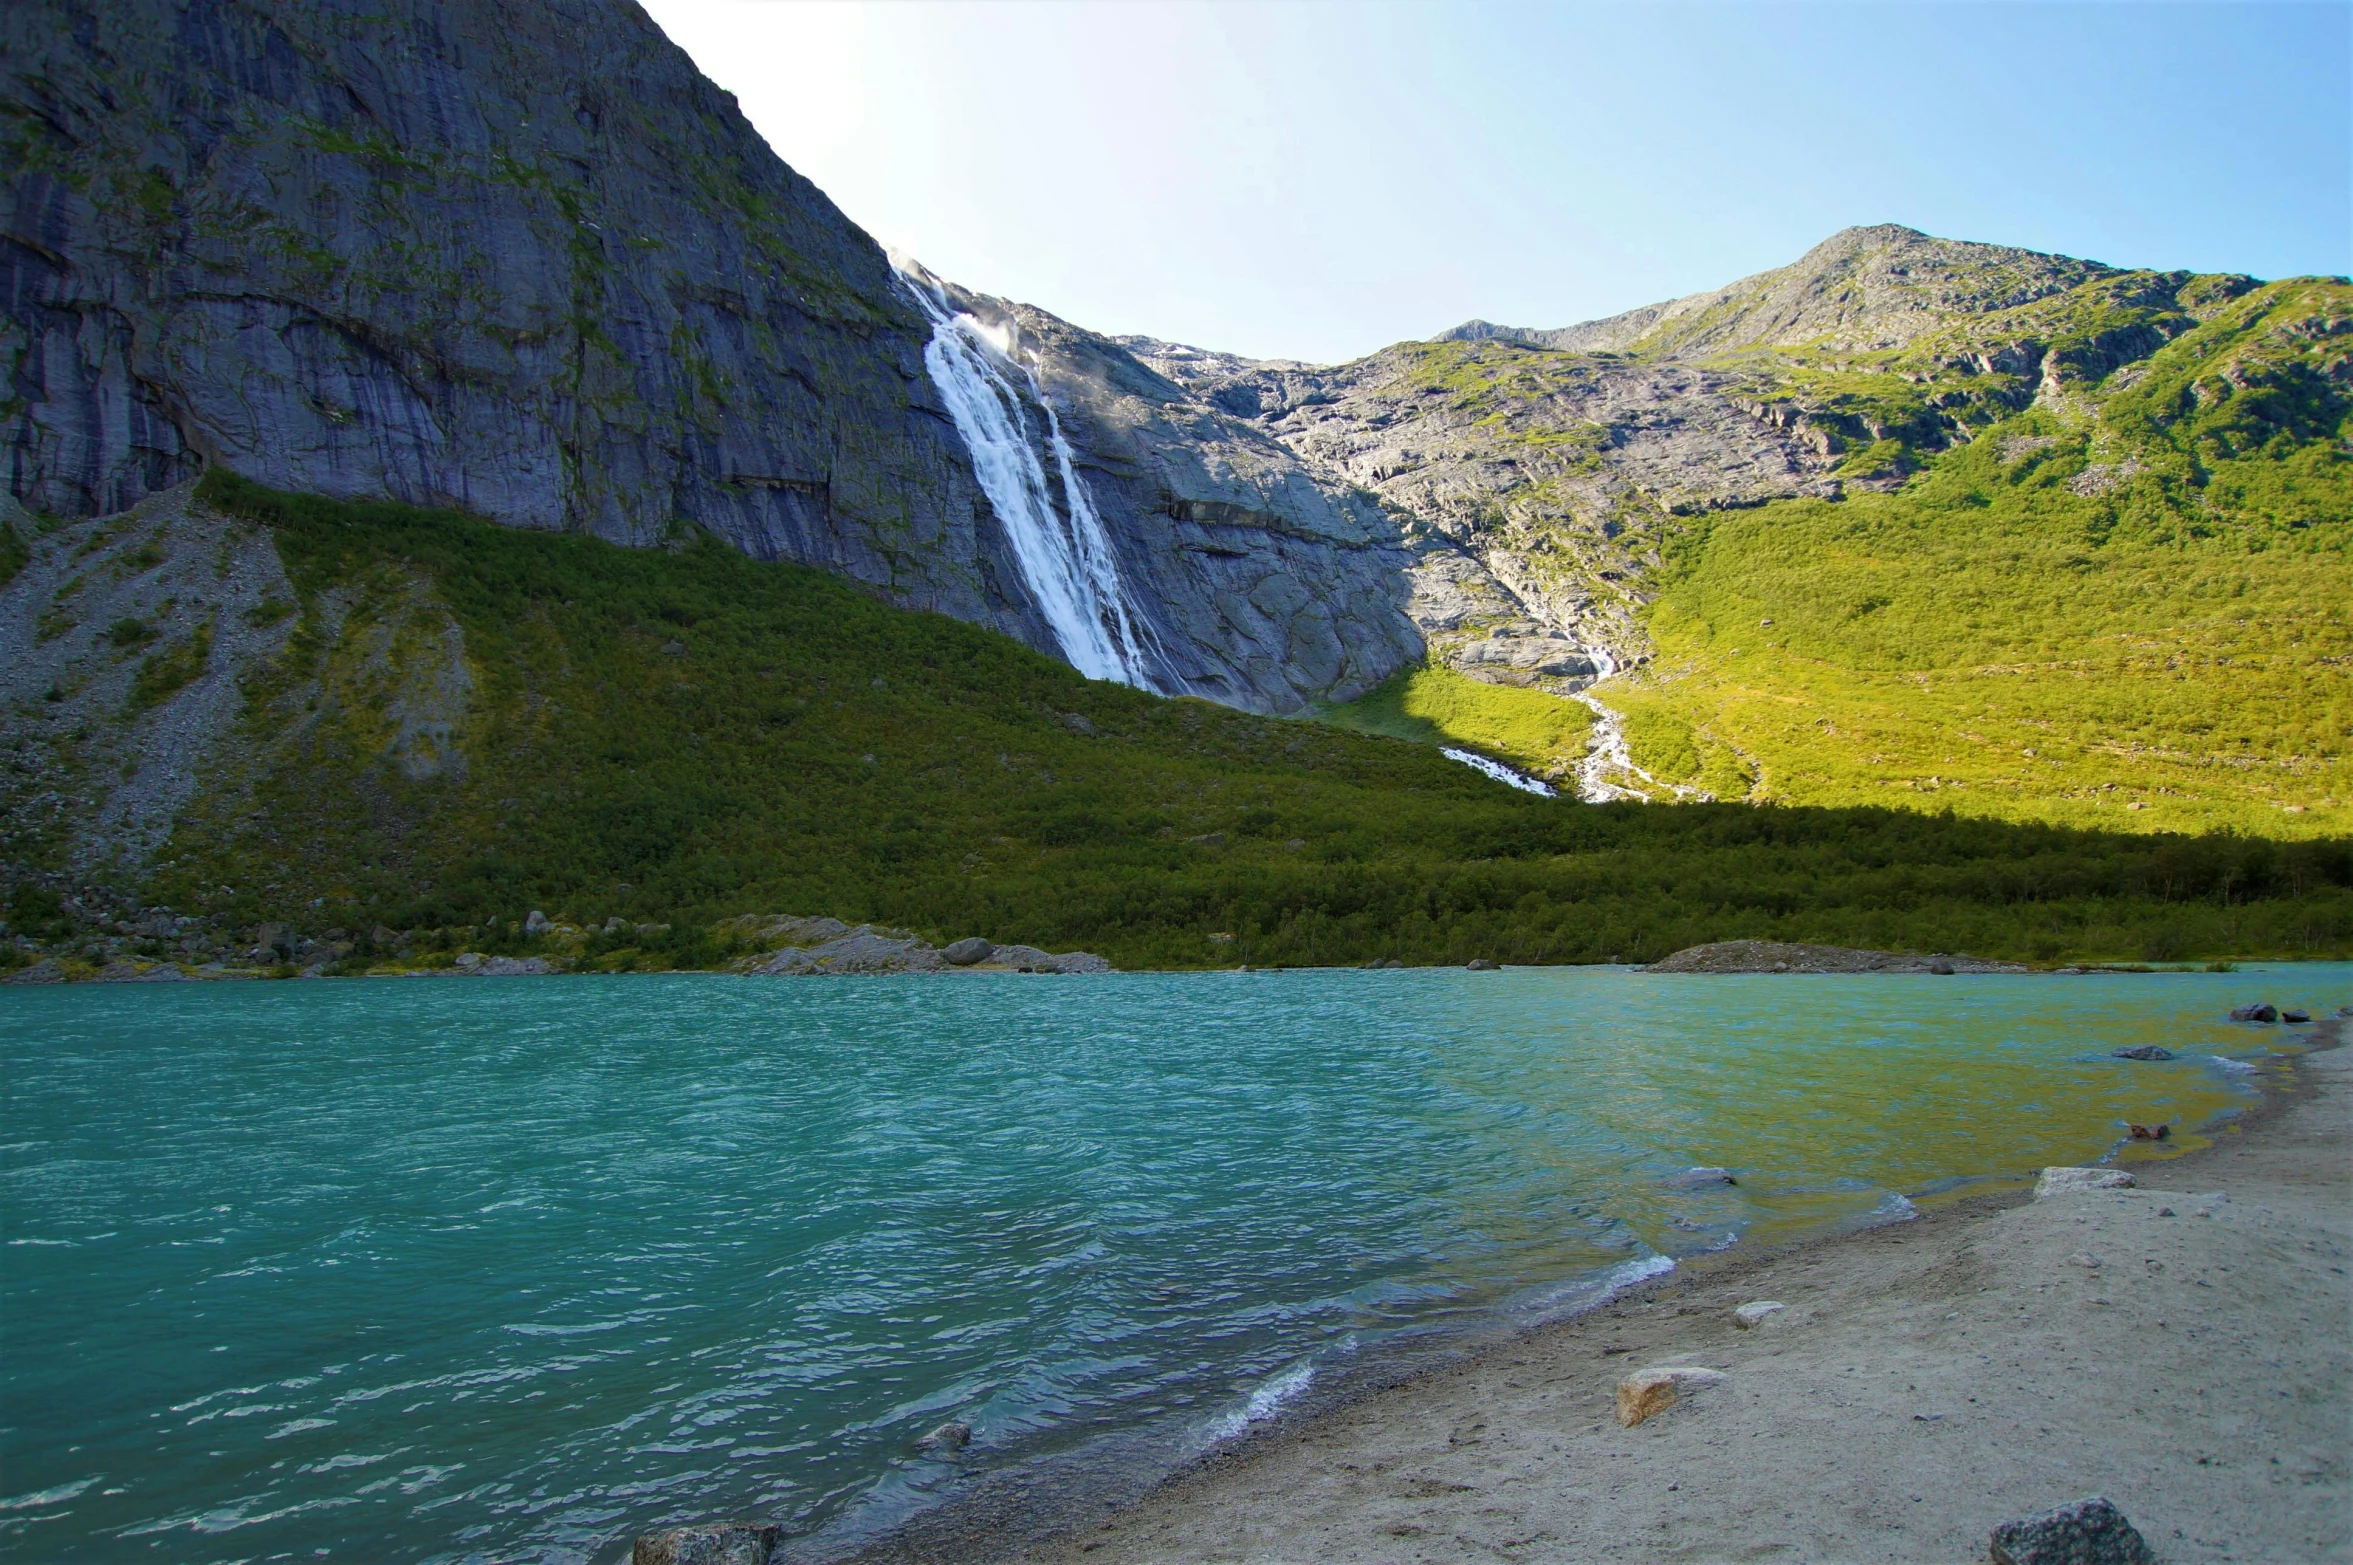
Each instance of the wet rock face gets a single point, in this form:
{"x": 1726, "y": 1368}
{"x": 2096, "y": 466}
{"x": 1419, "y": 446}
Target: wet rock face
{"x": 525, "y": 261}
{"x": 1538, "y": 474}
{"x": 1269, "y": 583}
{"x": 518, "y": 259}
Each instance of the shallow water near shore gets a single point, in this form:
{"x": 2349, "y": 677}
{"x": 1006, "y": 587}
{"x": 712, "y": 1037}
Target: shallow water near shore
{"x": 512, "y": 1270}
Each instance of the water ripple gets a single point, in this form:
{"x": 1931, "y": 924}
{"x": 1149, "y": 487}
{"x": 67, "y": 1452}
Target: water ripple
{"x": 509, "y": 1272}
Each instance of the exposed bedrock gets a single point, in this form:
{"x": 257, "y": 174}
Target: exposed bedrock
{"x": 1269, "y": 584}
{"x": 525, "y": 260}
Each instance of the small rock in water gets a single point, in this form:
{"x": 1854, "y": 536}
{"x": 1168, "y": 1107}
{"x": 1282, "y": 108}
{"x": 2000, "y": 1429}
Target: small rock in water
{"x": 709, "y": 1543}
{"x": 968, "y": 950}
{"x": 1483, "y": 964}
{"x": 1750, "y": 1315}
{"x": 2089, "y": 1532}
{"x": 2261, "y": 1011}
{"x": 1702, "y": 1179}
{"x": 953, "y": 1435}
{"x": 1649, "y": 1392}
{"x": 2149, "y": 1132}
{"x": 2141, "y": 1051}
{"x": 2067, "y": 1181}
{"x": 2295, "y": 1016}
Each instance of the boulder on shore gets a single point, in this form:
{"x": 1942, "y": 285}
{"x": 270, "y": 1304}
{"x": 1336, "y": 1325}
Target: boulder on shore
{"x": 2071, "y": 1181}
{"x": 826, "y": 947}
{"x": 1782, "y": 956}
{"x": 1649, "y": 1392}
{"x": 708, "y": 1543}
{"x": 2089, "y": 1532}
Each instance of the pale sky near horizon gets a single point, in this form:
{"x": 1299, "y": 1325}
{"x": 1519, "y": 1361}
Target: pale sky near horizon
{"x": 1314, "y": 179}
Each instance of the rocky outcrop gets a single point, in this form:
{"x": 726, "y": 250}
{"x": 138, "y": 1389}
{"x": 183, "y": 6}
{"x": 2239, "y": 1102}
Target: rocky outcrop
{"x": 524, "y": 260}
{"x": 1268, "y": 580}
{"x": 827, "y": 947}
{"x": 1538, "y": 474}
{"x": 1781, "y": 956}
{"x": 125, "y": 644}
{"x": 1879, "y": 286}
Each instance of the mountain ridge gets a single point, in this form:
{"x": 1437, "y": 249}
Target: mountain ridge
{"x": 1777, "y": 544}
{"x": 1898, "y": 279}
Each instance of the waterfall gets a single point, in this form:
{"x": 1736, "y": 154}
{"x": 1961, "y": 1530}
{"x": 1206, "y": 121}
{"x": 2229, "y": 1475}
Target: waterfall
{"x": 1064, "y": 555}
{"x": 1607, "y": 751}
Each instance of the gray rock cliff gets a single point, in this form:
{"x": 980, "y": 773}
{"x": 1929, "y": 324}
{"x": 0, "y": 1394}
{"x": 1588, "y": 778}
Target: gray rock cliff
{"x": 1269, "y": 580}
{"x": 523, "y": 259}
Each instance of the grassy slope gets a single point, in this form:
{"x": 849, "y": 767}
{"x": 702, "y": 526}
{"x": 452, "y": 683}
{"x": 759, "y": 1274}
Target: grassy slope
{"x": 2133, "y": 594}
{"x": 2141, "y": 578}
{"x": 684, "y": 735}
{"x": 1538, "y": 733}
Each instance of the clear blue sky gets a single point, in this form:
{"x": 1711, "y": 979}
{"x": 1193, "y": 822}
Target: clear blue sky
{"x": 1315, "y": 180}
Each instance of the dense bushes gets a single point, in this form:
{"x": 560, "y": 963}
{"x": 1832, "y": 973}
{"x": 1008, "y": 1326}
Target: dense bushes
{"x": 675, "y": 736}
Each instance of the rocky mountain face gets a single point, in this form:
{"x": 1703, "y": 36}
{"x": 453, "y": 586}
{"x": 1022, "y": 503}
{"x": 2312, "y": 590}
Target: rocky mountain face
{"x": 524, "y": 260}
{"x": 1874, "y": 287}
{"x": 1267, "y": 574}
{"x": 1537, "y": 475}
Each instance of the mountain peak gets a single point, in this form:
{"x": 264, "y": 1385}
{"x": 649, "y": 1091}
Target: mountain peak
{"x": 1874, "y": 285}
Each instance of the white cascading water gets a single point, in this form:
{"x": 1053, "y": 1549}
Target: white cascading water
{"x": 1068, "y": 565}
{"x": 1506, "y": 775}
{"x": 1607, "y": 751}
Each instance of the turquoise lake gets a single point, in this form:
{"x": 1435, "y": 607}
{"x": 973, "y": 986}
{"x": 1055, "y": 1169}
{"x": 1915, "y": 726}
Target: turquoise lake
{"x": 512, "y": 1270}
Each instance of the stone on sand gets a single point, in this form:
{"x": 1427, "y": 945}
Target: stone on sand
{"x": 2070, "y": 1181}
{"x": 2089, "y": 1532}
{"x": 1649, "y": 1392}
{"x": 1751, "y": 1315}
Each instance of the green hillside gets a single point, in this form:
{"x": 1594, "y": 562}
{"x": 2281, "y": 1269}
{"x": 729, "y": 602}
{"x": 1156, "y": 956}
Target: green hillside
{"x": 677, "y": 736}
{"x": 2091, "y": 565}
{"x": 2130, "y": 606}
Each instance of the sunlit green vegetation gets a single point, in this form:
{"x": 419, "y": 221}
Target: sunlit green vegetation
{"x": 677, "y": 736}
{"x": 2135, "y": 613}
{"x": 1539, "y": 733}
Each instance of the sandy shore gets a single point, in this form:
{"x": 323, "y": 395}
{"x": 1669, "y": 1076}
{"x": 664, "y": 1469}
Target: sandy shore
{"x": 1925, "y": 1382}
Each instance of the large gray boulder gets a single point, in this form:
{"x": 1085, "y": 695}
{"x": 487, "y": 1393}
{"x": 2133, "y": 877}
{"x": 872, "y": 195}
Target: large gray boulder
{"x": 710, "y": 1543}
{"x": 2089, "y": 1532}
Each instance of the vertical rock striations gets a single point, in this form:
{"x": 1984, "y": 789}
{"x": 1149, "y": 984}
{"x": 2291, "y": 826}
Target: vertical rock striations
{"x": 1269, "y": 582}
{"x": 522, "y": 259}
